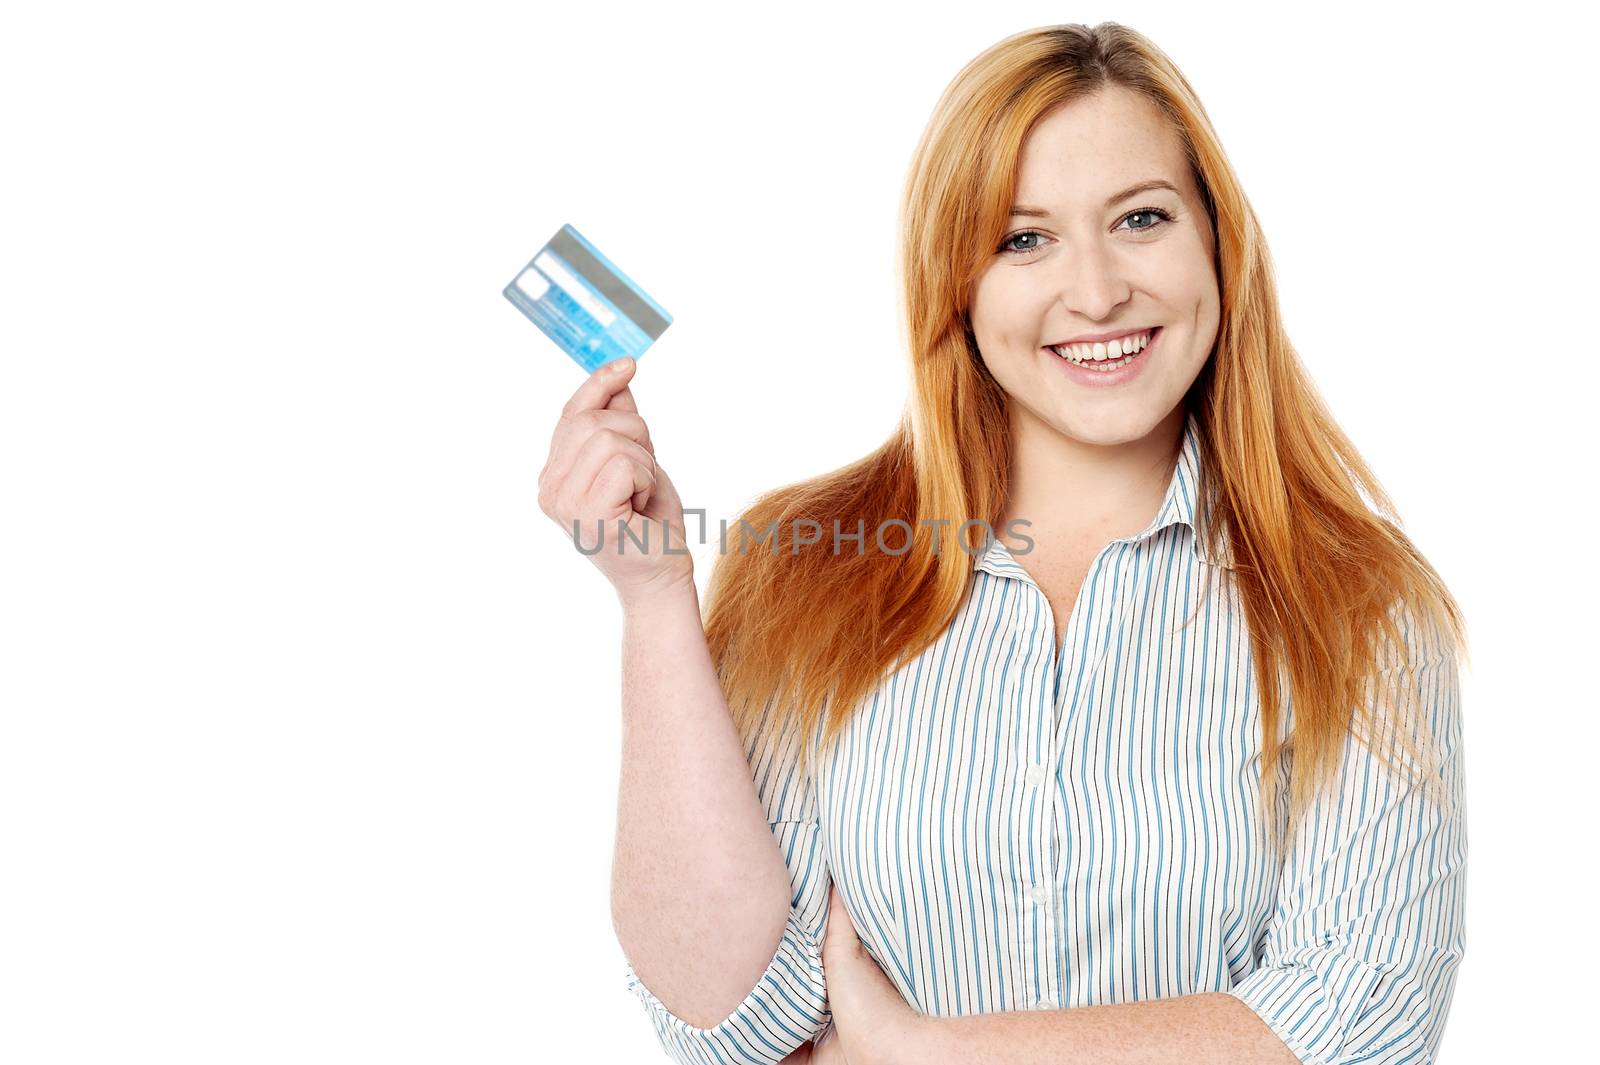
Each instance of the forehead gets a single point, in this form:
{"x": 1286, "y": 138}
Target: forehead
{"x": 1083, "y": 150}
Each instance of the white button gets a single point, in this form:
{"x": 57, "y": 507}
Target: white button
{"x": 1044, "y": 1004}
{"x": 1041, "y": 895}
{"x": 1035, "y": 775}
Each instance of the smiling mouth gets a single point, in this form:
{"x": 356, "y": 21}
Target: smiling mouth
{"x": 1107, "y": 355}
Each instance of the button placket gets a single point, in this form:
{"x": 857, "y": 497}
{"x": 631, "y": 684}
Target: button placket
{"x": 1036, "y": 755}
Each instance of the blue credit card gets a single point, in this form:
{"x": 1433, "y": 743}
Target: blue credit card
{"x": 592, "y": 310}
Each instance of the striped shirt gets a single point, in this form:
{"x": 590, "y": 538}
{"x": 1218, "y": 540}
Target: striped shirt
{"x": 1021, "y": 820}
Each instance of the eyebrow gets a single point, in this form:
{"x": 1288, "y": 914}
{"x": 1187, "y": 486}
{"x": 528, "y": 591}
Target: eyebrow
{"x": 1131, "y": 190}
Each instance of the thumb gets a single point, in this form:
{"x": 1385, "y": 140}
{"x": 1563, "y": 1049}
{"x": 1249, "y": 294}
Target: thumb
{"x": 839, "y": 924}
{"x": 622, "y": 370}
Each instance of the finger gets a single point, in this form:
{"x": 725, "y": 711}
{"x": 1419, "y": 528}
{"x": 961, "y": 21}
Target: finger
{"x": 664, "y": 499}
{"x": 597, "y": 390}
{"x": 582, "y": 481}
{"x": 624, "y": 479}
{"x": 836, "y": 907}
{"x": 839, "y": 926}
{"x": 573, "y": 431}
{"x": 641, "y": 497}
{"x": 626, "y": 422}
{"x": 623, "y": 400}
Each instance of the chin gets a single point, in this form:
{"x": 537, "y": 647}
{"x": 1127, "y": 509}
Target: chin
{"x": 1112, "y": 425}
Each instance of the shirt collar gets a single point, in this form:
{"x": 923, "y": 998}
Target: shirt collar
{"x": 1180, "y": 506}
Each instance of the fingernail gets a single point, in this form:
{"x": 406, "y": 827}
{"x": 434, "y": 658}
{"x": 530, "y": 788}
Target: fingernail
{"x": 618, "y": 365}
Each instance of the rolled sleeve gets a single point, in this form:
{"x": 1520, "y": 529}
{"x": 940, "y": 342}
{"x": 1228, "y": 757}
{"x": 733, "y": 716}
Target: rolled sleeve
{"x": 788, "y": 1006}
{"x": 1360, "y": 958}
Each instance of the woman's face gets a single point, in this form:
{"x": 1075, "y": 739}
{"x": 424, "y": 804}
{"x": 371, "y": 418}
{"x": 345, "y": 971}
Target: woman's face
{"x": 1098, "y": 262}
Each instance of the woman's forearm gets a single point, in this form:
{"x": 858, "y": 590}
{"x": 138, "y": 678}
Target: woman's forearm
{"x": 699, "y": 889}
{"x": 1186, "y": 1030}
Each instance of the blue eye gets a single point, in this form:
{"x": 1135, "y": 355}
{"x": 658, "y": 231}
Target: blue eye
{"x": 1156, "y": 216}
{"x": 1148, "y": 212}
{"x": 1006, "y": 247}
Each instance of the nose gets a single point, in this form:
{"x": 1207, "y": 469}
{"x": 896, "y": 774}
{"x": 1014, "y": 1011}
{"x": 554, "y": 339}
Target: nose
{"x": 1090, "y": 281}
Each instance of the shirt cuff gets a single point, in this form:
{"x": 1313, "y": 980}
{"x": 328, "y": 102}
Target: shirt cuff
{"x": 1311, "y": 998}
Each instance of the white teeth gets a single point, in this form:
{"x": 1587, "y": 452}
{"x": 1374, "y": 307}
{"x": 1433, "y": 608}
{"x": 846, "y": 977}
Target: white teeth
{"x": 1100, "y": 352}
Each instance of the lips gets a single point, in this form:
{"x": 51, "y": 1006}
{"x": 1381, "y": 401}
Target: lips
{"x": 1112, "y": 371}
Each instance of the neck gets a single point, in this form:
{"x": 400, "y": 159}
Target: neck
{"x": 1080, "y": 496}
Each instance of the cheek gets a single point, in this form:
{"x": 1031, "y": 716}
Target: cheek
{"x": 1179, "y": 276}
{"x": 997, "y": 314}
{"x": 1186, "y": 285}
{"x": 988, "y": 304}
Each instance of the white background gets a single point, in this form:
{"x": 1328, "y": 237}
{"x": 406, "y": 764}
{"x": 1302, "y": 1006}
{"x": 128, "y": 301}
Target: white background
{"x": 311, "y": 717}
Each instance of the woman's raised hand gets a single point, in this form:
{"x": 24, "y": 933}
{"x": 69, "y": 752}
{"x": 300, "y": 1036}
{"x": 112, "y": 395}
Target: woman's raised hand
{"x": 602, "y": 475}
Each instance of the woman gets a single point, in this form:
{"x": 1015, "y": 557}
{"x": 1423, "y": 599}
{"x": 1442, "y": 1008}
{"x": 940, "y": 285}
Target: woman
{"x": 1168, "y": 770}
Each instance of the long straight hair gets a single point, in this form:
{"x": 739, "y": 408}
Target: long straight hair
{"x": 1341, "y": 607}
